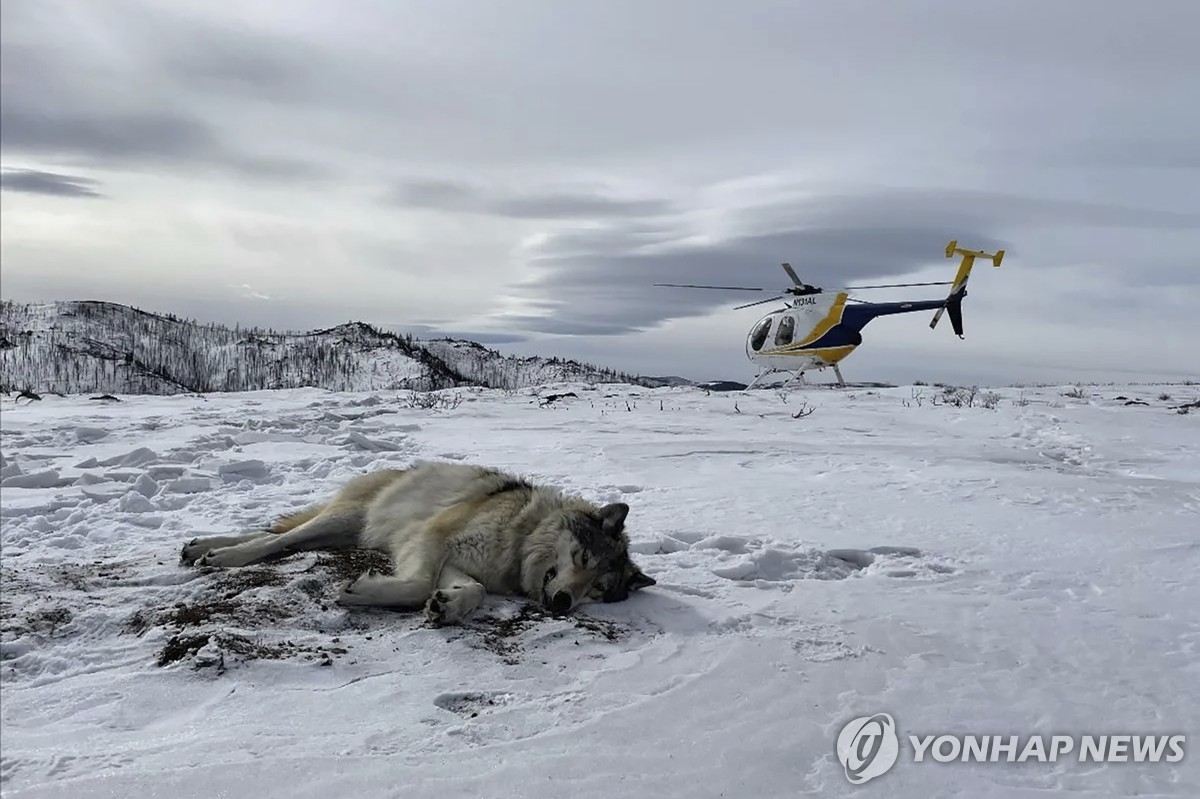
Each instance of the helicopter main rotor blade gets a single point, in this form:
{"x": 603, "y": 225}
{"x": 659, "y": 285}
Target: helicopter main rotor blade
{"x": 792, "y": 274}
{"x": 723, "y": 288}
{"x": 759, "y": 302}
{"x": 900, "y": 285}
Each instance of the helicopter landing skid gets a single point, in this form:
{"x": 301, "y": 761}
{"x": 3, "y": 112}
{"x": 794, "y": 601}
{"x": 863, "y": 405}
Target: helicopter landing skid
{"x": 795, "y": 375}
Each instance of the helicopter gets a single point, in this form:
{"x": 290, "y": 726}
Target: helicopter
{"x": 818, "y": 329}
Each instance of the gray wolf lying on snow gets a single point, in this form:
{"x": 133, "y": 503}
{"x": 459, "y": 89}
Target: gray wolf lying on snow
{"x": 454, "y": 532}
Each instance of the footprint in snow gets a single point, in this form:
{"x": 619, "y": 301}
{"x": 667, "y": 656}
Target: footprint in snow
{"x": 763, "y": 564}
{"x": 470, "y": 704}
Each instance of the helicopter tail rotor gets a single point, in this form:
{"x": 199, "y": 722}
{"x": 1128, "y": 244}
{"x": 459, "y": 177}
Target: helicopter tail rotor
{"x": 958, "y": 289}
{"x": 953, "y": 247}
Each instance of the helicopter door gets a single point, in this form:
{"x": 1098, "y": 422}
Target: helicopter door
{"x": 759, "y": 336}
{"x": 785, "y": 331}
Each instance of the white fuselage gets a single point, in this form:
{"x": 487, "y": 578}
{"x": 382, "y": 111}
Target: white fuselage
{"x": 802, "y": 336}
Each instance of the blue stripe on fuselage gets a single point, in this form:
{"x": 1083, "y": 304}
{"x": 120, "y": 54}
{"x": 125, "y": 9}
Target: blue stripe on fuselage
{"x": 856, "y": 317}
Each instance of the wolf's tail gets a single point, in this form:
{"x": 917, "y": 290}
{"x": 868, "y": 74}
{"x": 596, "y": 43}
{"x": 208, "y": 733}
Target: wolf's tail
{"x": 294, "y": 520}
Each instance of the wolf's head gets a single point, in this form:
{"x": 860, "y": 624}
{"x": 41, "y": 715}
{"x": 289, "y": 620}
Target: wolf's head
{"x": 616, "y": 584}
{"x": 591, "y": 560}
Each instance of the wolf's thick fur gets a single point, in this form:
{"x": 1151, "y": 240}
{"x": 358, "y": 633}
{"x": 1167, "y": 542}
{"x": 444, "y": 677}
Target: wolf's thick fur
{"x": 454, "y": 532}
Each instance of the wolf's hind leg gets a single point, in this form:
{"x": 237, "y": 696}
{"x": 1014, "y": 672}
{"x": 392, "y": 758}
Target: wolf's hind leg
{"x": 456, "y": 596}
{"x": 335, "y": 530}
{"x": 197, "y": 547}
{"x": 415, "y": 564}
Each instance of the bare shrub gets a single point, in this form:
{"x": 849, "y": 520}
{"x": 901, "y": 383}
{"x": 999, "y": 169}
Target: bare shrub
{"x": 433, "y": 401}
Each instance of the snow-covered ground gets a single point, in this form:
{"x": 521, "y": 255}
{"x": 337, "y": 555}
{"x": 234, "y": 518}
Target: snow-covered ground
{"x": 1037, "y": 575}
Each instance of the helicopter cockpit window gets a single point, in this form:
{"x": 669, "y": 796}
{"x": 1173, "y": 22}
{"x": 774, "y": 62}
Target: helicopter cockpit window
{"x": 759, "y": 336}
{"x": 783, "y": 335}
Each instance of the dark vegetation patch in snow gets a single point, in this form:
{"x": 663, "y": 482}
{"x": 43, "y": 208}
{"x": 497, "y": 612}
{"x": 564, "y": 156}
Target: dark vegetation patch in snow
{"x": 42, "y": 622}
{"x": 502, "y": 632}
{"x": 280, "y": 612}
{"x": 181, "y": 647}
{"x": 348, "y": 564}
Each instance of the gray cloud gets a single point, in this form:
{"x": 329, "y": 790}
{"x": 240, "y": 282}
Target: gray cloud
{"x": 599, "y": 281}
{"x": 918, "y": 205}
{"x": 450, "y": 195}
{"x": 1160, "y": 151}
{"x": 149, "y": 140}
{"x": 65, "y": 102}
{"x": 423, "y": 331}
{"x": 487, "y": 86}
{"x": 34, "y": 181}
{"x": 461, "y": 165}
{"x": 111, "y": 138}
{"x": 227, "y": 60}
{"x": 614, "y": 294}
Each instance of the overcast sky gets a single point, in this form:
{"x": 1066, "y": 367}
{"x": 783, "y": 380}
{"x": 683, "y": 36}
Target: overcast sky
{"x": 522, "y": 171}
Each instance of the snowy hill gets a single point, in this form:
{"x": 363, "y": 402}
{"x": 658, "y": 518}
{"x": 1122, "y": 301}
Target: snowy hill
{"x": 486, "y": 367}
{"x": 1021, "y": 566}
{"x": 87, "y": 346}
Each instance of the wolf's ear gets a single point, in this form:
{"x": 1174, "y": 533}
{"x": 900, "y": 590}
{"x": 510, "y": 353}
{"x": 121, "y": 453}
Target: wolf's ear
{"x": 612, "y": 517}
{"x": 639, "y": 579}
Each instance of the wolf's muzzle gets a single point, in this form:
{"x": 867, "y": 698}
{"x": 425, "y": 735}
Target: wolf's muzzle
{"x": 560, "y": 602}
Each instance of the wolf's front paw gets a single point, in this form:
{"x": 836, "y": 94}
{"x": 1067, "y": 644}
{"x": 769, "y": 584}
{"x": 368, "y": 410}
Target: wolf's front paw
{"x": 364, "y": 590}
{"x": 352, "y": 593}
